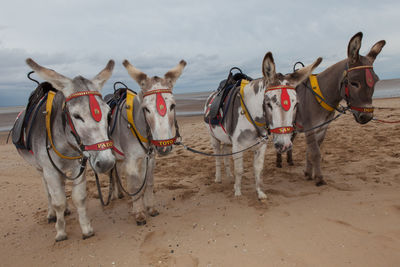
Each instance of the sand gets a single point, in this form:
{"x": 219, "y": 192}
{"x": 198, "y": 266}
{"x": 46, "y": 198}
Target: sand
{"x": 353, "y": 221}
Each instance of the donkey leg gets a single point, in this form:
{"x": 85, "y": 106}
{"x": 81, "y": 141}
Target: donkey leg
{"x": 289, "y": 158}
{"x": 319, "y": 180}
{"x": 227, "y": 161}
{"x": 313, "y": 160}
{"x": 51, "y": 213}
{"x": 117, "y": 191}
{"x": 134, "y": 180}
{"x": 278, "y": 160}
{"x": 289, "y": 154}
{"x": 258, "y": 165}
{"x": 58, "y": 201}
{"x": 217, "y": 150}
{"x": 79, "y": 199}
{"x": 238, "y": 166}
{"x": 148, "y": 197}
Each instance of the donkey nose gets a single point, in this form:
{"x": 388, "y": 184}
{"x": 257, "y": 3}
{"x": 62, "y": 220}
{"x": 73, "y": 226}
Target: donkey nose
{"x": 164, "y": 150}
{"x": 278, "y": 147}
{"x": 103, "y": 166}
{"x": 365, "y": 117}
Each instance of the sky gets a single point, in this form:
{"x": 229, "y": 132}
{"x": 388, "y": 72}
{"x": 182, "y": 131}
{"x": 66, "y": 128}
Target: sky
{"x": 78, "y": 37}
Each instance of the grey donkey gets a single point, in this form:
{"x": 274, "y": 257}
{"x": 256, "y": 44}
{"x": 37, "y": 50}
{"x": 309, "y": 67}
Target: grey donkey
{"x": 78, "y": 131}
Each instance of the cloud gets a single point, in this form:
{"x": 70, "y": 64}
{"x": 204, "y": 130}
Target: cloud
{"x": 79, "y": 37}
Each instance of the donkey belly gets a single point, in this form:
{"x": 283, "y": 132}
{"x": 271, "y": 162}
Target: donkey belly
{"x": 29, "y": 157}
{"x": 219, "y": 134}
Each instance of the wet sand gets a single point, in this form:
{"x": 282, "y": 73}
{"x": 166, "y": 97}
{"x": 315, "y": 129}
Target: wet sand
{"x": 353, "y": 221}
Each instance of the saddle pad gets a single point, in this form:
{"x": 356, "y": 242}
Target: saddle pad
{"x": 17, "y": 130}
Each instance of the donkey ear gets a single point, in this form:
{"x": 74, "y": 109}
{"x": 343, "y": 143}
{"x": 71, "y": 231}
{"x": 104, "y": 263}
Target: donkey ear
{"x": 353, "y": 48}
{"x": 57, "y": 80}
{"x": 135, "y": 73}
{"x": 173, "y": 74}
{"x": 375, "y": 50}
{"x": 300, "y": 75}
{"x": 100, "y": 79}
{"x": 268, "y": 67}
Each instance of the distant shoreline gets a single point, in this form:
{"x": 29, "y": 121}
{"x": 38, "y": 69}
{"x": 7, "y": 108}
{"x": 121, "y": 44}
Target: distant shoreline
{"x": 187, "y": 105}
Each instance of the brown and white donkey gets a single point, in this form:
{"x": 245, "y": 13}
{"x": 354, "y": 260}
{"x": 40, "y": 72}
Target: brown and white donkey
{"x": 271, "y": 102}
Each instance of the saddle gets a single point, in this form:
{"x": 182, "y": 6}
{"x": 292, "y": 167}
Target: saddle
{"x": 23, "y": 124}
{"x": 221, "y": 101}
{"x": 114, "y": 100}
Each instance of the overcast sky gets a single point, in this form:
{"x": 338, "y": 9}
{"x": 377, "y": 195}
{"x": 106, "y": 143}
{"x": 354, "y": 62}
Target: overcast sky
{"x": 78, "y": 37}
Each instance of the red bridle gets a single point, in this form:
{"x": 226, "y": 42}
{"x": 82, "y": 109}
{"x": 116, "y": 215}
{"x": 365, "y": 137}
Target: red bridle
{"x": 370, "y": 83}
{"x": 96, "y": 114}
{"x": 286, "y": 104}
{"x": 162, "y": 110}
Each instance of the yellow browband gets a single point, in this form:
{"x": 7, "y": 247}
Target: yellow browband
{"x": 246, "y": 113}
{"x": 317, "y": 90}
{"x": 49, "y": 105}
{"x": 130, "y": 96}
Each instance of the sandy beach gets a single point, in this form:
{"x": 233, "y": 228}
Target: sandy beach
{"x": 352, "y": 221}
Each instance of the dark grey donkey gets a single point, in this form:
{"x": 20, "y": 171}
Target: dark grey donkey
{"x": 76, "y": 131}
{"x": 144, "y": 122}
{"x": 270, "y": 101}
{"x": 352, "y": 80}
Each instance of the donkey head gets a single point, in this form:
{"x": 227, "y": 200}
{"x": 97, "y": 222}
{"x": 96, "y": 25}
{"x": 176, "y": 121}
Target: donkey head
{"x": 359, "y": 80}
{"x": 85, "y": 111}
{"x": 158, "y": 104}
{"x": 280, "y": 101}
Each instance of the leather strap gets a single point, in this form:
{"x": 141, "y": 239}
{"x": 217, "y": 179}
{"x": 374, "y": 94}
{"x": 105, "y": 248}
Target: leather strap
{"x": 130, "y": 96}
{"x": 246, "y": 113}
{"x": 317, "y": 90}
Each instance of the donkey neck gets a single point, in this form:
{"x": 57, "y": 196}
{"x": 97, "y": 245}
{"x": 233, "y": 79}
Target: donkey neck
{"x": 61, "y": 130}
{"x": 253, "y": 97}
{"x": 138, "y": 117}
{"x": 330, "y": 81}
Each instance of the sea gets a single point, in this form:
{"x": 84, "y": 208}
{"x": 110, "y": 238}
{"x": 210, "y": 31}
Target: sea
{"x": 191, "y": 104}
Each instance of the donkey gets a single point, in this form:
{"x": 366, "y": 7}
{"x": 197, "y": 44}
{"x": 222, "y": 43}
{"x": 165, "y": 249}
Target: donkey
{"x": 73, "y": 130}
{"x": 148, "y": 124}
{"x": 353, "y": 80}
{"x": 265, "y": 104}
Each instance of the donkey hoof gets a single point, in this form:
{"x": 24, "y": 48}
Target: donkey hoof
{"x": 61, "y": 237}
{"x": 67, "y": 212}
{"x": 279, "y": 165}
{"x": 140, "y": 223}
{"x": 120, "y": 195}
{"x": 153, "y": 212}
{"x": 290, "y": 163}
{"x": 51, "y": 219}
{"x": 320, "y": 183}
{"x": 86, "y": 236}
{"x": 308, "y": 176}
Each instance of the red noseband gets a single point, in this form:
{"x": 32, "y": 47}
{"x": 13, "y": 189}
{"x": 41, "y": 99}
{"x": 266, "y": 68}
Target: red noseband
{"x": 282, "y": 130}
{"x": 100, "y": 146}
{"x": 162, "y": 143}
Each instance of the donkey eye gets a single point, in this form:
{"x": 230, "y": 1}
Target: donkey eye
{"x": 269, "y": 105}
{"x": 146, "y": 109}
{"x": 172, "y": 107}
{"x": 355, "y": 84}
{"x": 78, "y": 117}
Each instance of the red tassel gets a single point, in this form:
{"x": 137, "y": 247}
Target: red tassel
{"x": 160, "y": 104}
{"x": 94, "y": 108}
{"x": 285, "y": 99}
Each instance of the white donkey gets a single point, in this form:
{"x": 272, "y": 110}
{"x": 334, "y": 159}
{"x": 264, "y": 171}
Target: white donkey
{"x": 144, "y": 122}
{"x": 69, "y": 130}
{"x": 261, "y": 105}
